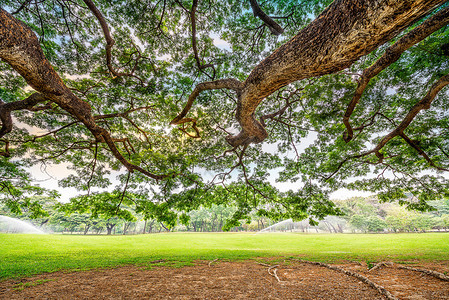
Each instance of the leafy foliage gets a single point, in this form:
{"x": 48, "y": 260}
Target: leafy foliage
{"x": 305, "y": 147}
{"x": 18, "y": 192}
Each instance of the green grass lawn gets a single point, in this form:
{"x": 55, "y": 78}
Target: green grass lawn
{"x": 24, "y": 255}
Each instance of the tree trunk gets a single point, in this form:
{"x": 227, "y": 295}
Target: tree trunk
{"x": 144, "y": 227}
{"x": 333, "y": 227}
{"x": 109, "y": 228}
{"x": 126, "y": 227}
{"x": 150, "y": 230}
{"x": 166, "y": 229}
{"x": 328, "y": 226}
{"x": 340, "y": 229}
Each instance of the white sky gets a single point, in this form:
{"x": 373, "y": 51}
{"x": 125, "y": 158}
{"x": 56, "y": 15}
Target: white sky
{"x": 49, "y": 175}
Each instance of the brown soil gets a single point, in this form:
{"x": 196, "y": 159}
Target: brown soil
{"x": 232, "y": 280}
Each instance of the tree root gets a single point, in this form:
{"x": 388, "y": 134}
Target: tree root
{"x": 270, "y": 267}
{"x": 274, "y": 274}
{"x": 381, "y": 264}
{"x": 428, "y": 272}
{"x": 435, "y": 274}
{"x": 362, "y": 278}
{"x": 212, "y": 261}
{"x": 356, "y": 262}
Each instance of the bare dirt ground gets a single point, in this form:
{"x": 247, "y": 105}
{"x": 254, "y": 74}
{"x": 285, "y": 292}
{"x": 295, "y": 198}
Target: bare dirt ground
{"x": 289, "y": 279}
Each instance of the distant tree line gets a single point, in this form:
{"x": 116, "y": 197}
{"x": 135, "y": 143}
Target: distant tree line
{"x": 367, "y": 215}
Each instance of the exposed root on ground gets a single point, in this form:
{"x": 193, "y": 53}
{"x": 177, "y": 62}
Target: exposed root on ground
{"x": 428, "y": 272}
{"x": 356, "y": 262}
{"x": 435, "y": 274}
{"x": 271, "y": 267}
{"x": 380, "y": 265}
{"x": 212, "y": 261}
{"x": 274, "y": 274}
{"x": 362, "y": 278}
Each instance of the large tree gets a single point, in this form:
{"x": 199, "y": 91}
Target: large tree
{"x": 96, "y": 83}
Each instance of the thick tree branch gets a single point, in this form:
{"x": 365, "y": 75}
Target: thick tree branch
{"x": 339, "y": 36}
{"x": 6, "y": 108}
{"x": 20, "y": 48}
{"x": 274, "y": 27}
{"x": 391, "y": 55}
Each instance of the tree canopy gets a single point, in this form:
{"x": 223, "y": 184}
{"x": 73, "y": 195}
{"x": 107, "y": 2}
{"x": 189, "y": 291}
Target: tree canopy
{"x": 202, "y": 102}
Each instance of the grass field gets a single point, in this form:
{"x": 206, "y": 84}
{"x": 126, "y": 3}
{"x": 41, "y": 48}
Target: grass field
{"x": 25, "y": 255}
